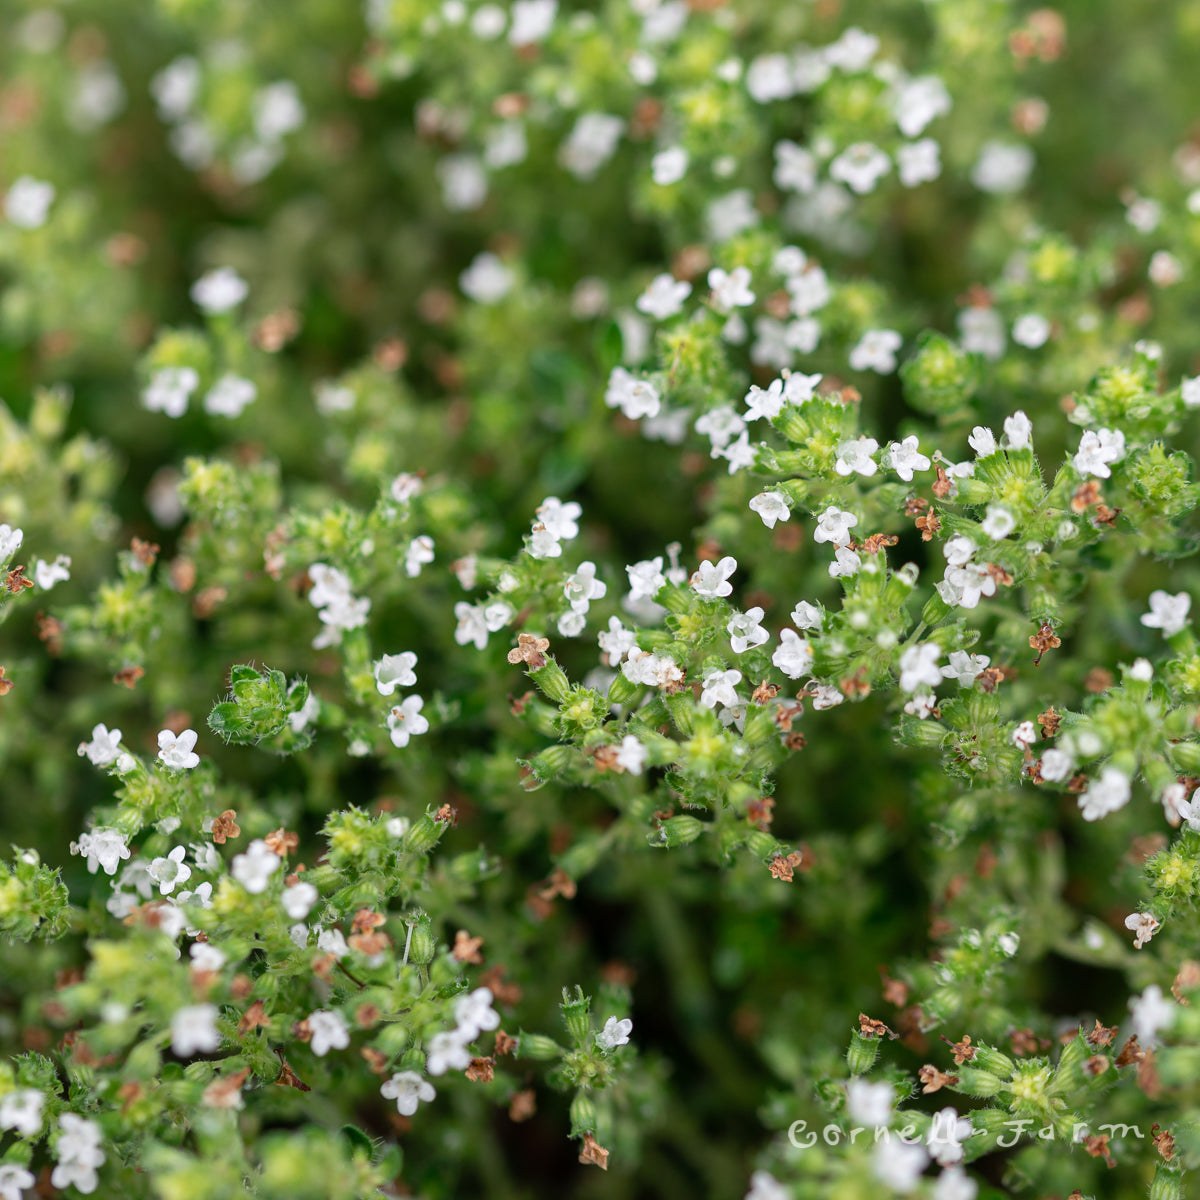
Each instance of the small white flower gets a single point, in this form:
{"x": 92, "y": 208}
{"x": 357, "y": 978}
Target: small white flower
{"x": 745, "y": 630}
{"x": 720, "y": 688}
{"x": 1143, "y": 926}
{"x": 906, "y": 458}
{"x": 1189, "y": 391}
{"x": 253, "y": 870}
{"x": 194, "y": 1030}
{"x": 1097, "y": 449}
{"x": 447, "y": 1052}
{"x": 1152, "y": 1012}
{"x": 46, "y": 575}
{"x": 860, "y": 167}
{"x": 730, "y": 289}
{"x": 178, "y": 753}
{"x": 946, "y": 1134}
{"x": 870, "y": 1104}
{"x": 899, "y": 1164}
{"x": 298, "y": 900}
{"x": 958, "y": 550}
{"x": 474, "y": 1014}
{"x": 229, "y": 396}
{"x": 1024, "y": 735}
{"x": 834, "y": 525}
{"x": 856, "y": 456}
{"x": 919, "y": 162}
{"x": 104, "y": 748}
{"x": 1031, "y": 331}
{"x": 1002, "y": 167}
{"x": 487, "y": 280}
{"x": 669, "y": 166}
{"x": 206, "y": 957}
{"x": 982, "y": 441}
{"x": 981, "y": 331}
{"x": 329, "y": 1032}
{"x": 664, "y": 297}
{"x": 1018, "y": 431}
{"x": 171, "y": 870}
{"x": 771, "y": 507}
{"x": 921, "y": 705}
{"x": 918, "y": 665}
{"x": 1056, "y": 765}
{"x": 876, "y": 351}
{"x": 405, "y": 721}
{"x": 615, "y": 1033}
{"x": 998, "y": 522}
{"x": 711, "y": 581}
{"x": 631, "y": 755}
{"x": 21, "y": 1110}
{"x": 10, "y": 542}
{"x": 27, "y": 202}
{"x": 169, "y": 390}
{"x": 964, "y": 668}
{"x": 1168, "y": 613}
{"x": 919, "y": 101}
{"x": 15, "y": 1179}
{"x": 395, "y": 670}
{"x": 764, "y": 1186}
{"x": 408, "y": 1090}
{"x": 794, "y": 656}
{"x": 807, "y": 616}
{"x": 219, "y": 290}
{"x": 1105, "y": 795}
{"x": 636, "y": 398}
{"x": 616, "y": 641}
{"x": 846, "y": 563}
{"x": 582, "y": 587}
{"x": 795, "y": 168}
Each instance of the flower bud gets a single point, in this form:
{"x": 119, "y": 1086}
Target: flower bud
{"x": 423, "y": 835}
{"x": 676, "y": 831}
{"x": 1186, "y": 756}
{"x": 538, "y": 1047}
{"x": 940, "y": 378}
{"x": 762, "y": 845}
{"x": 1167, "y": 1185}
{"x": 583, "y": 1115}
{"x": 422, "y": 946}
{"x": 681, "y": 708}
{"x": 977, "y": 1083}
{"x": 621, "y": 690}
{"x": 862, "y": 1053}
{"x": 552, "y": 762}
{"x": 552, "y": 680}
{"x": 988, "y": 1058}
{"x": 577, "y": 1013}
{"x": 1069, "y": 1076}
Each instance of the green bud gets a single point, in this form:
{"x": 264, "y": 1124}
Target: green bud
{"x": 939, "y": 378}
{"x": 681, "y": 706}
{"x": 621, "y": 690}
{"x": 552, "y": 680}
{"x": 1185, "y": 756}
{"x": 676, "y": 831}
{"x": 1069, "y": 1077}
{"x": 988, "y": 1058}
{"x": 552, "y": 763}
{"x": 1167, "y": 1185}
{"x": 583, "y": 1115}
{"x": 538, "y": 1047}
{"x": 577, "y": 1013}
{"x": 762, "y": 845}
{"x": 422, "y": 946}
{"x": 583, "y": 856}
{"x": 977, "y": 1083}
{"x": 424, "y": 835}
{"x": 862, "y": 1053}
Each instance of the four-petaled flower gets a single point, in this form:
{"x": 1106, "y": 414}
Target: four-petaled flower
{"x": 253, "y": 870}
{"x": 664, "y": 297}
{"x": 615, "y": 1033}
{"x": 405, "y": 721}
{"x": 794, "y": 656}
{"x": 855, "y": 455}
{"x": 395, "y": 670}
{"x": 712, "y": 579}
{"x": 906, "y": 457}
{"x": 720, "y": 688}
{"x": 771, "y": 507}
{"x": 171, "y": 870}
{"x": 919, "y": 665}
{"x": 834, "y": 525}
{"x": 1168, "y": 613}
{"x": 329, "y": 1032}
{"x": 745, "y": 630}
{"x": 178, "y": 753}
{"x": 409, "y": 1090}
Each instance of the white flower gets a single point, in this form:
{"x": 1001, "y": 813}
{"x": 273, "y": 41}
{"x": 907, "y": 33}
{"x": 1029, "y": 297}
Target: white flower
{"x": 21, "y": 1110}
{"x": 946, "y": 1135}
{"x": 1152, "y": 1011}
{"x": 205, "y": 956}
{"x": 1143, "y": 925}
{"x": 998, "y": 522}
{"x": 764, "y": 1186}
{"x": 809, "y": 291}
{"x": 720, "y": 425}
{"x": 46, "y": 575}
{"x": 616, "y": 641}
{"x": 738, "y": 454}
{"x": 104, "y": 748}
{"x": 329, "y": 1032}
{"x": 720, "y": 688}
{"x": 615, "y": 1033}
{"x": 834, "y": 525}
{"x": 981, "y": 331}
{"x": 419, "y": 552}
{"x": 631, "y": 755}
{"x": 919, "y": 101}
{"x": 102, "y": 848}
{"x": 1189, "y": 391}
{"x": 408, "y": 1090}
{"x": 963, "y": 668}
{"x": 591, "y": 143}
{"x": 583, "y": 587}
{"x": 729, "y": 215}
{"x": 664, "y": 297}
{"x": 860, "y": 167}
{"x": 869, "y": 1104}
{"x": 229, "y": 396}
{"x": 298, "y": 899}
{"x": 899, "y": 1164}
{"x": 745, "y": 630}
{"x": 799, "y": 388}
{"x": 169, "y": 390}
{"x": 764, "y": 402}
{"x": 405, "y": 721}
{"x": 876, "y": 351}
{"x": 906, "y": 458}
{"x": 1105, "y": 795}
{"x": 1031, "y": 331}
{"x": 794, "y": 657}
{"x": 635, "y": 397}
{"x": 562, "y": 520}
{"x": 194, "y": 1030}
{"x": 78, "y": 1152}
{"x": 918, "y": 162}
{"x": 646, "y": 577}
{"x": 178, "y": 753}
{"x": 669, "y": 166}
{"x": 27, "y": 202}
{"x": 918, "y": 665}
{"x": 825, "y": 695}
{"x": 921, "y": 705}
{"x": 982, "y": 441}
{"x": 1056, "y": 765}
{"x": 711, "y": 581}
{"x": 730, "y": 289}
{"x": 332, "y": 941}
{"x": 1023, "y": 736}
{"x": 771, "y": 507}
{"x": 220, "y": 290}
{"x": 487, "y": 280}
{"x": 395, "y": 670}
{"x": 1168, "y": 613}
{"x": 10, "y": 542}
{"x": 807, "y": 616}
{"x": 473, "y": 1013}
{"x": 1018, "y": 431}
{"x": 958, "y": 550}
{"x": 769, "y": 77}
{"x": 853, "y": 51}
{"x": 171, "y": 870}
{"x": 653, "y": 670}
{"x": 846, "y": 562}
{"x": 13, "y": 1178}
{"x": 1097, "y": 449}
{"x": 855, "y": 455}
{"x": 254, "y": 869}
{"x": 1002, "y": 167}
{"x": 795, "y": 168}
{"x": 1165, "y": 270}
